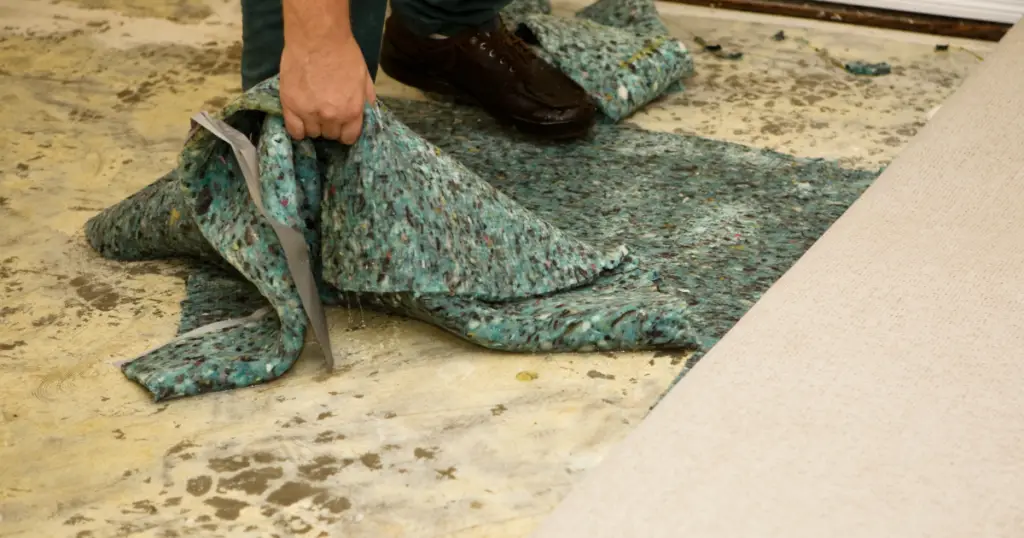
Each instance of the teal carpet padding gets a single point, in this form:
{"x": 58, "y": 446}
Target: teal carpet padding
{"x": 627, "y": 240}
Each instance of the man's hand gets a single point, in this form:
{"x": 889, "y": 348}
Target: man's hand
{"x": 324, "y": 80}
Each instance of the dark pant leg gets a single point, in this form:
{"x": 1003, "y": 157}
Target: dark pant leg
{"x": 446, "y": 17}
{"x": 263, "y": 36}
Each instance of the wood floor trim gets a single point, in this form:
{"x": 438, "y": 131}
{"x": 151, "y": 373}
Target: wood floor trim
{"x": 861, "y": 16}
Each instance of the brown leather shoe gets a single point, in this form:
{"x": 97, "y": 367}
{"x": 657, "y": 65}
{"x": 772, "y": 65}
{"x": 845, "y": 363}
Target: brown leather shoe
{"x": 495, "y": 69}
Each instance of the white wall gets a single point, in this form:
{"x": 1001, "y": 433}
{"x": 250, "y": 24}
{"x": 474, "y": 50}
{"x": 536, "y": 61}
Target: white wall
{"x": 1006, "y": 11}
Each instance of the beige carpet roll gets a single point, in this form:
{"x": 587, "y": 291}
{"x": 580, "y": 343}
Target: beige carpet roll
{"x": 877, "y": 389}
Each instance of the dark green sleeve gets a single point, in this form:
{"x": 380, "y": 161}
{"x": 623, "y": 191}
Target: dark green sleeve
{"x": 263, "y": 36}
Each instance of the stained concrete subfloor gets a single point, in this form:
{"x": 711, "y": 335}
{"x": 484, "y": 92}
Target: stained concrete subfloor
{"x": 420, "y": 435}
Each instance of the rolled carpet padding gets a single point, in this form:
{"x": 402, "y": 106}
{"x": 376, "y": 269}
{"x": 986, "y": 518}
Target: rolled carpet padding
{"x": 628, "y": 240}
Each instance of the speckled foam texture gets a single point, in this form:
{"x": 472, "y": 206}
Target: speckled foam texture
{"x": 516, "y": 10}
{"x": 507, "y": 242}
{"x": 638, "y": 16}
{"x": 407, "y": 218}
{"x": 628, "y": 240}
{"x": 207, "y": 209}
{"x": 709, "y": 225}
{"x": 619, "y": 51}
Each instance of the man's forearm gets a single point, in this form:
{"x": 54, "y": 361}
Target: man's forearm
{"x": 315, "y": 23}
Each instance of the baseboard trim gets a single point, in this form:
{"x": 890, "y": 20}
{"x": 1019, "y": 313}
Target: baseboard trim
{"x": 865, "y": 16}
{"x": 1000, "y": 11}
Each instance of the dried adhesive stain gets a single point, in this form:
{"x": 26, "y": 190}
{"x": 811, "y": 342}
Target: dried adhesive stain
{"x": 140, "y": 507}
{"x": 323, "y": 467}
{"x": 371, "y": 460}
{"x": 77, "y": 519}
{"x": 99, "y": 295}
{"x": 12, "y": 345}
{"x": 335, "y": 505}
{"x": 7, "y": 311}
{"x": 327, "y": 437}
{"x": 226, "y": 508}
{"x": 180, "y": 448}
{"x": 676, "y": 356}
{"x": 228, "y": 465}
{"x": 424, "y": 454}
{"x": 179, "y": 11}
{"x": 296, "y": 525}
{"x": 199, "y": 485}
{"x": 294, "y": 421}
{"x": 252, "y": 481}
{"x": 46, "y": 320}
{"x": 292, "y": 492}
{"x": 263, "y": 457}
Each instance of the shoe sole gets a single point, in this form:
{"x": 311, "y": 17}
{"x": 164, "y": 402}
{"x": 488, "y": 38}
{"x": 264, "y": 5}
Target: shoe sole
{"x": 432, "y": 84}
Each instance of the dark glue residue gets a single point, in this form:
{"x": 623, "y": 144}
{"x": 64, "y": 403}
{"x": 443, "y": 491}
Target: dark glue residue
{"x": 716, "y": 49}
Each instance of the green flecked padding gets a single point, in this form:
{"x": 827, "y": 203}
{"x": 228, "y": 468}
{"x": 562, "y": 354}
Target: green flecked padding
{"x": 627, "y": 240}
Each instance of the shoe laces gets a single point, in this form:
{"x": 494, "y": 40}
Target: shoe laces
{"x": 510, "y": 50}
